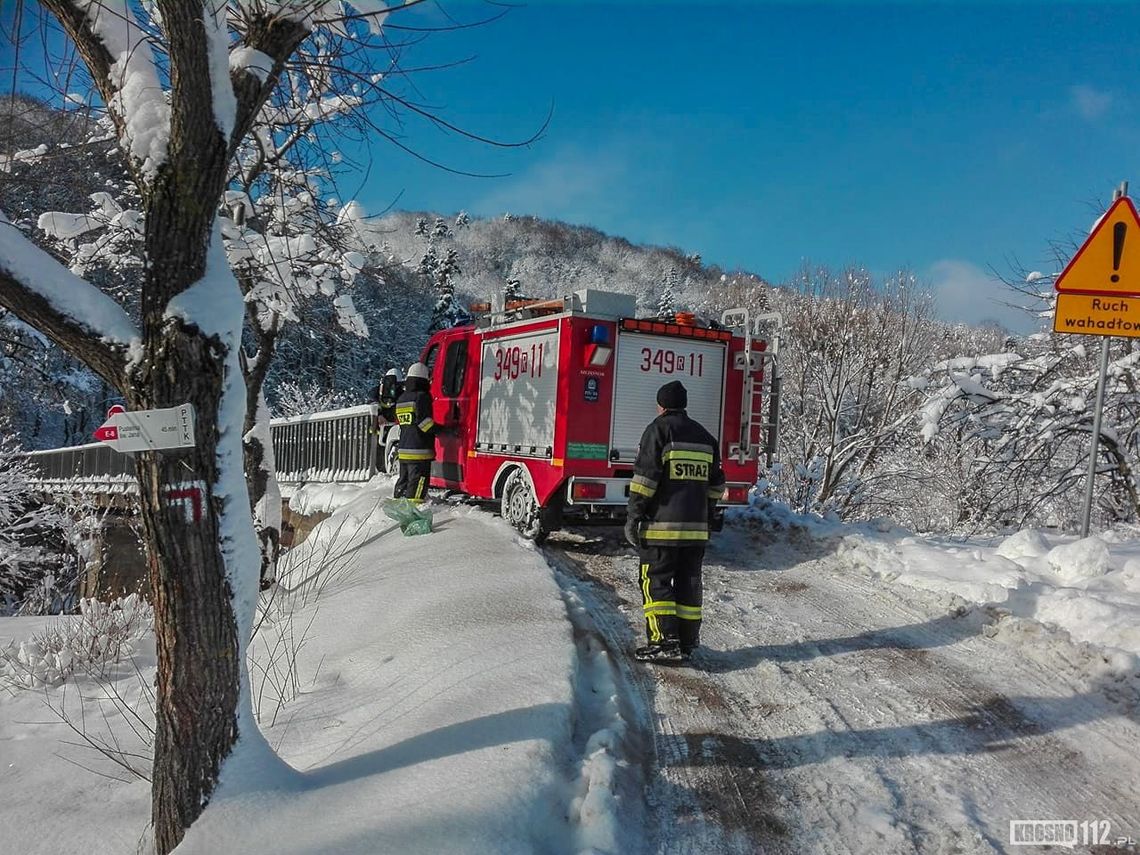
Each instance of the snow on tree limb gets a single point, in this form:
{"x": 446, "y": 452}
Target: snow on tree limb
{"x": 76, "y": 314}
{"x": 131, "y": 86}
{"x": 217, "y": 36}
{"x": 214, "y": 303}
{"x": 251, "y": 61}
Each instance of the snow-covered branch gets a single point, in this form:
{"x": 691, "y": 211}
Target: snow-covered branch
{"x": 119, "y": 56}
{"x": 77, "y": 315}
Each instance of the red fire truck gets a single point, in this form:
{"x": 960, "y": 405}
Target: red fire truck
{"x": 545, "y": 402}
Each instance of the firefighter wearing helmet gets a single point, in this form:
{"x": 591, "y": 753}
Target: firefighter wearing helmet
{"x": 677, "y": 482}
{"x": 417, "y": 435}
{"x": 388, "y": 393}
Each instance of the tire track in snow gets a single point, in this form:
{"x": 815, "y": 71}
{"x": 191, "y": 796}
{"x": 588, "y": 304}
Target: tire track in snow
{"x": 941, "y": 687}
{"x": 842, "y": 715}
{"x": 697, "y": 802}
{"x": 604, "y": 807}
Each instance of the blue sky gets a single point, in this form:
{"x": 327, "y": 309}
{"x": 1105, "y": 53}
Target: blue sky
{"x": 950, "y": 138}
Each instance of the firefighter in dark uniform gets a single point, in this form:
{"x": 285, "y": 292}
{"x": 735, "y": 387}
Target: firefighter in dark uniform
{"x": 677, "y": 482}
{"x": 417, "y": 435}
{"x": 388, "y": 393}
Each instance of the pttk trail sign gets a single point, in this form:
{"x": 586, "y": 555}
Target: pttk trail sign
{"x": 149, "y": 430}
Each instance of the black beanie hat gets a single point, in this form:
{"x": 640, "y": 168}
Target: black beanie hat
{"x": 672, "y": 396}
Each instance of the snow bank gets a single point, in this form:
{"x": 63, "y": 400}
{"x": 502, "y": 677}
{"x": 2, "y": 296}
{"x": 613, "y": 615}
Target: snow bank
{"x": 318, "y": 498}
{"x": 58, "y": 794}
{"x": 437, "y": 702}
{"x": 1027, "y": 543}
{"x": 1088, "y": 588}
{"x": 1081, "y": 559}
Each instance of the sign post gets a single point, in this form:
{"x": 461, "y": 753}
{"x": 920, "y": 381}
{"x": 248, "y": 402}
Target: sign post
{"x": 1086, "y": 514}
{"x": 1096, "y": 295}
{"x": 149, "y": 430}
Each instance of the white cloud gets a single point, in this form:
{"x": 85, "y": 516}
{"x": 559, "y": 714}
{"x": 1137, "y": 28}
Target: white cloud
{"x": 574, "y": 185}
{"x": 966, "y": 293}
{"x": 1088, "y": 102}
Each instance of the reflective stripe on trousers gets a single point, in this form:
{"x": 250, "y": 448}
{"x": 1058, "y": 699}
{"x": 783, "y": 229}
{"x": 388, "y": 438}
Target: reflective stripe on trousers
{"x": 670, "y": 580}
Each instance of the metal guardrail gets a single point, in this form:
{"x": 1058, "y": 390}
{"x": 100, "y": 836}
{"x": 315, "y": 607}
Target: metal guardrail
{"x": 334, "y": 446}
{"x": 338, "y": 445}
{"x": 92, "y": 468}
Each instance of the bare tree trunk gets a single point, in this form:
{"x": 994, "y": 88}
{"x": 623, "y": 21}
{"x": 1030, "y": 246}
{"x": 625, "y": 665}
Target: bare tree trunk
{"x": 184, "y": 516}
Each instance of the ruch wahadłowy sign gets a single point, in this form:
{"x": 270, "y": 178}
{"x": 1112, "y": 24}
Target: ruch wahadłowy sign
{"x": 1097, "y": 291}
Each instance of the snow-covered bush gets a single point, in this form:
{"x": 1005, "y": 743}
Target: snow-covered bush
{"x": 297, "y": 398}
{"x": 101, "y": 635}
{"x": 1018, "y": 422}
{"x": 37, "y": 569}
{"x": 849, "y": 342}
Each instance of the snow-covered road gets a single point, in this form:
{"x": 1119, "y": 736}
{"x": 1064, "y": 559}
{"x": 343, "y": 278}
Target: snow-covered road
{"x": 837, "y": 713}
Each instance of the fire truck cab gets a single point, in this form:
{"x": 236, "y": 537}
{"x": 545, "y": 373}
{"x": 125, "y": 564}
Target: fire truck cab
{"x": 544, "y": 402}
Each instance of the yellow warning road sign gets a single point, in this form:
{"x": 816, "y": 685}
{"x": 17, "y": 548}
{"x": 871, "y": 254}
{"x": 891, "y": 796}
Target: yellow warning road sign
{"x": 1088, "y": 314}
{"x": 1109, "y": 260}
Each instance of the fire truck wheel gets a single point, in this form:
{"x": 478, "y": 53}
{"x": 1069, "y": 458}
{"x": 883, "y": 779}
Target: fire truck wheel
{"x": 520, "y": 507}
{"x": 392, "y": 453}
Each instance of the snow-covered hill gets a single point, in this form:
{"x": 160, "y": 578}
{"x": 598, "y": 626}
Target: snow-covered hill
{"x": 549, "y": 258}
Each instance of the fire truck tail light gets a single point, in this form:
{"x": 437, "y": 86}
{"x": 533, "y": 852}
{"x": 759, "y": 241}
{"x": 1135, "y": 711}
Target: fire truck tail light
{"x": 686, "y": 330}
{"x": 587, "y": 490}
{"x": 737, "y": 495}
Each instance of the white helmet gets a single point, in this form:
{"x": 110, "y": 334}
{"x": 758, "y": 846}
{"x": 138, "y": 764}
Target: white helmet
{"x": 394, "y": 372}
{"x": 419, "y": 370}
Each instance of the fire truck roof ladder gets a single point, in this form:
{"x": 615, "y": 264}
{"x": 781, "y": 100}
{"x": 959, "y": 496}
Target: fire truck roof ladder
{"x": 600, "y": 304}
{"x": 752, "y": 364}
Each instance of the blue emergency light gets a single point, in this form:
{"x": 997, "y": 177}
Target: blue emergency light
{"x": 598, "y": 350}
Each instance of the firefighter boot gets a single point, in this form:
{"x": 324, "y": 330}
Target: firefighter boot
{"x": 666, "y": 652}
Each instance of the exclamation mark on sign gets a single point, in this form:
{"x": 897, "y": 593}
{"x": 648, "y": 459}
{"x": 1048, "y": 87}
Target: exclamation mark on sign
{"x": 1118, "y": 232}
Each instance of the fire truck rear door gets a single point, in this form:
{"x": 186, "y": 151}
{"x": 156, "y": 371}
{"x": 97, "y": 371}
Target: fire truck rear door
{"x": 644, "y": 363}
{"x": 452, "y": 400}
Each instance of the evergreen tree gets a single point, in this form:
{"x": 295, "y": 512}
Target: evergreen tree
{"x": 447, "y": 312}
{"x": 667, "y": 304}
{"x": 428, "y": 262}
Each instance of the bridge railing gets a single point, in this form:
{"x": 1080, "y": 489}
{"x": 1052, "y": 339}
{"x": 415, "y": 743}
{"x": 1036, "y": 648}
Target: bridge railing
{"x": 338, "y": 445}
{"x": 92, "y": 468}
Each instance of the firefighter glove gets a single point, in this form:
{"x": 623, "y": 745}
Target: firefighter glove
{"x": 632, "y": 525}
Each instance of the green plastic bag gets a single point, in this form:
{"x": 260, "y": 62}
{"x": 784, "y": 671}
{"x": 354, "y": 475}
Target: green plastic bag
{"x": 412, "y": 517}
